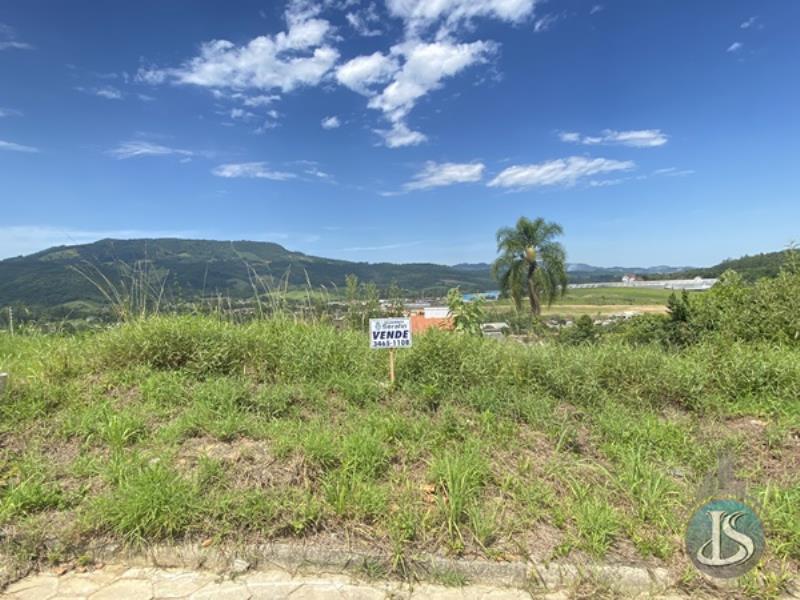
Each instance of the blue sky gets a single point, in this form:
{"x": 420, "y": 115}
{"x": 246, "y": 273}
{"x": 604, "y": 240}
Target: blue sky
{"x": 655, "y": 132}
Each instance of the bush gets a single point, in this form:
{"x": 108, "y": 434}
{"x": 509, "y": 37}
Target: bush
{"x": 732, "y": 311}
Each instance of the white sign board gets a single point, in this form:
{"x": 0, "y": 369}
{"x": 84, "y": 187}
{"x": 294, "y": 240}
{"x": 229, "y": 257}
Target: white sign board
{"x": 390, "y": 333}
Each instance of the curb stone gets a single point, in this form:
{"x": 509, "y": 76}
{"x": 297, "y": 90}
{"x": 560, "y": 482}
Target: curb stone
{"x": 277, "y": 570}
{"x": 543, "y": 577}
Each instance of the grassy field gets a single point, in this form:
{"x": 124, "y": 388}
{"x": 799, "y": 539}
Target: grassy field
{"x": 189, "y": 428}
{"x": 596, "y": 302}
{"x": 610, "y": 295}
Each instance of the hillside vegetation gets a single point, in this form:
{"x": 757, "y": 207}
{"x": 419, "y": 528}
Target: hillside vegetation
{"x": 47, "y": 285}
{"x": 196, "y": 428}
{"x": 750, "y": 268}
{"x": 192, "y": 269}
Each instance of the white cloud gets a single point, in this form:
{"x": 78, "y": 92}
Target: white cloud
{"x": 570, "y": 136}
{"x": 400, "y": 135}
{"x": 9, "y": 40}
{"x": 14, "y": 45}
{"x": 318, "y": 173}
{"x": 10, "y": 112}
{"x": 545, "y": 23}
{"x": 607, "y": 182}
{"x": 410, "y": 71}
{"x": 299, "y": 56}
{"x": 425, "y": 66}
{"x": 419, "y": 15}
{"x": 240, "y": 114}
{"x": 270, "y": 123}
{"x": 251, "y": 170}
{"x": 443, "y": 174}
{"x": 749, "y": 23}
{"x": 562, "y": 171}
{"x": 330, "y": 122}
{"x": 108, "y": 92}
{"x": 257, "y": 101}
{"x": 363, "y": 72}
{"x": 365, "y": 22}
{"x": 673, "y": 172}
{"x": 735, "y": 47}
{"x": 596, "y": 9}
{"x": 637, "y": 138}
{"x": 151, "y": 75}
{"x": 312, "y": 168}
{"x": 13, "y": 147}
{"x": 137, "y": 149}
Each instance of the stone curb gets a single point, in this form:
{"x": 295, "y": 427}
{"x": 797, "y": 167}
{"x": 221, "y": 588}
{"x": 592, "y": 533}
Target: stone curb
{"x": 628, "y": 579}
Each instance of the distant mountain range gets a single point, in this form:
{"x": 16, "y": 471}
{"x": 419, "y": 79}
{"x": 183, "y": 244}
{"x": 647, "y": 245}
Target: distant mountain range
{"x": 202, "y": 268}
{"x": 584, "y": 268}
{"x": 583, "y": 273}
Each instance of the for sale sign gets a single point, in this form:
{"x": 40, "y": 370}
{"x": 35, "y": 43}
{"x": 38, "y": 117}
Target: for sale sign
{"x": 390, "y": 333}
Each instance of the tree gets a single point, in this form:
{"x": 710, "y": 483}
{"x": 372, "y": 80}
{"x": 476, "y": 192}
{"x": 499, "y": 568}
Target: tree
{"x": 531, "y": 262}
{"x": 396, "y": 306}
{"x": 363, "y": 302}
{"x": 467, "y": 316}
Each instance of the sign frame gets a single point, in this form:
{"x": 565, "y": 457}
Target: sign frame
{"x": 390, "y": 333}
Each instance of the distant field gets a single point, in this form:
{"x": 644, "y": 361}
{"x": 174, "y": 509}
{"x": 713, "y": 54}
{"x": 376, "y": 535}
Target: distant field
{"x": 606, "y": 296}
{"x": 615, "y": 296}
{"x": 576, "y": 310}
{"x": 598, "y": 302}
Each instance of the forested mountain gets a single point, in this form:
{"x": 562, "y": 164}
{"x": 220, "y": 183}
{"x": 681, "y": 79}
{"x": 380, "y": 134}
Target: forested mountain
{"x": 196, "y": 268}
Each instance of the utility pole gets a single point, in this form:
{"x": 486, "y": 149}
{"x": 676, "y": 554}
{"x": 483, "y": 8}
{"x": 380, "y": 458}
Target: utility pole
{"x": 11, "y": 320}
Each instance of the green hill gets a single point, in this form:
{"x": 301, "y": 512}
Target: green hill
{"x": 749, "y": 267}
{"x": 198, "y": 268}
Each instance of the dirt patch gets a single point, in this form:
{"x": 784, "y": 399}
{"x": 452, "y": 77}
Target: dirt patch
{"x": 605, "y": 309}
{"x": 248, "y": 463}
{"x": 773, "y": 453}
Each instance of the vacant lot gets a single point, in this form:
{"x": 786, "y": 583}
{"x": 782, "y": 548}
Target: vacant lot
{"x": 193, "y": 428}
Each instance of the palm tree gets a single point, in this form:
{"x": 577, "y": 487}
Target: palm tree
{"x": 531, "y": 262}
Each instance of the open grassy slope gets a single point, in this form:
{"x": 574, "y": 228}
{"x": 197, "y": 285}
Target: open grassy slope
{"x": 193, "y": 428}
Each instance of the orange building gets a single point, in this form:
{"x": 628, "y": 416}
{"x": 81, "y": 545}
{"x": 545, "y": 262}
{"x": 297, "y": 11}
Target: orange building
{"x": 427, "y": 318}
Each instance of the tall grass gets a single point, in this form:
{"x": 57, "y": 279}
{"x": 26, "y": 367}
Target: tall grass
{"x": 480, "y": 441}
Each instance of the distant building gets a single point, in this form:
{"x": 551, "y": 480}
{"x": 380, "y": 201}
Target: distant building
{"x": 630, "y": 278}
{"x": 491, "y": 296}
{"x": 436, "y": 312}
{"x": 431, "y": 316}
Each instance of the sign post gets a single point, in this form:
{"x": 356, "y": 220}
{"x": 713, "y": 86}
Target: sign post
{"x": 391, "y": 333}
